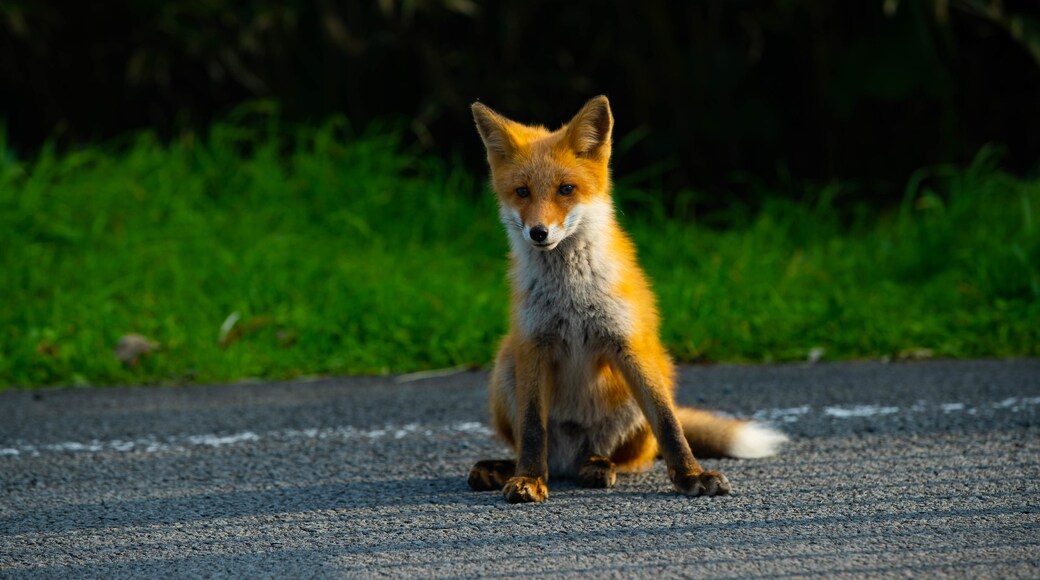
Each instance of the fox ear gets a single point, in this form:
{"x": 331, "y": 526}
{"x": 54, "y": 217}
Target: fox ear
{"x": 494, "y": 131}
{"x": 589, "y": 131}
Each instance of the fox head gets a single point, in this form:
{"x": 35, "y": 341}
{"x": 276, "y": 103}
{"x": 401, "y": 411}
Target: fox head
{"x": 550, "y": 184}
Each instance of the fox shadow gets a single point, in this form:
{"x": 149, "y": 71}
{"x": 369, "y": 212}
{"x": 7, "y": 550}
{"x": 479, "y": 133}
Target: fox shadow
{"x": 236, "y": 504}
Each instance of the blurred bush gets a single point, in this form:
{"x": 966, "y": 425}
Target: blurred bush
{"x": 706, "y": 93}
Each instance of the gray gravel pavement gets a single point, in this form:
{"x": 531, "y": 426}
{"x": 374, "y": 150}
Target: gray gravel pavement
{"x": 922, "y": 469}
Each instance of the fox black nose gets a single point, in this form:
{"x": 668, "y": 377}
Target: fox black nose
{"x": 539, "y": 233}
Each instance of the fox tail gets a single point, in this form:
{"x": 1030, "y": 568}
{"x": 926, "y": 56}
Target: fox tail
{"x": 711, "y": 435}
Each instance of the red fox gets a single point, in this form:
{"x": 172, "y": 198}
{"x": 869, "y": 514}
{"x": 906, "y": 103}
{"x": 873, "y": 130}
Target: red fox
{"x": 582, "y": 385}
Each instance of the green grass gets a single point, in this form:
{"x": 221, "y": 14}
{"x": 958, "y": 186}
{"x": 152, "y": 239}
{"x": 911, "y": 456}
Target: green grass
{"x": 343, "y": 254}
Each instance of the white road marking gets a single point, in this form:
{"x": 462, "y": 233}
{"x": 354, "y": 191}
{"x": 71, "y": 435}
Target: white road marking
{"x": 219, "y": 440}
{"x": 1017, "y": 403}
{"x": 788, "y": 415}
{"x": 431, "y": 374}
{"x": 859, "y": 411}
{"x": 154, "y": 444}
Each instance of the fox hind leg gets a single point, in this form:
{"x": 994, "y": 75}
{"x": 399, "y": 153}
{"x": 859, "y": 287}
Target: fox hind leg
{"x": 597, "y": 472}
{"x": 637, "y": 453}
{"x": 491, "y": 474}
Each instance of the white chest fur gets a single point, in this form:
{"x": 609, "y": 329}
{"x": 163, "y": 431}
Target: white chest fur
{"x": 567, "y": 294}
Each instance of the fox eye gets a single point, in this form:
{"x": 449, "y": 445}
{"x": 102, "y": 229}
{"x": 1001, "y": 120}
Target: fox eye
{"x": 566, "y": 189}
{"x": 523, "y": 191}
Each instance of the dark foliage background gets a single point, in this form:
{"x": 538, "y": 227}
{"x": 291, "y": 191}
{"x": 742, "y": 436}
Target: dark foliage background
{"x": 705, "y": 93}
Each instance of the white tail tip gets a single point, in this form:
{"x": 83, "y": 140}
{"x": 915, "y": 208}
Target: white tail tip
{"x": 754, "y": 440}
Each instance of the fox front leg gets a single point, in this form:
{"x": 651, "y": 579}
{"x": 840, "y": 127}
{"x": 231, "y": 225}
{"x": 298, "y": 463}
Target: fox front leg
{"x": 649, "y": 376}
{"x": 533, "y": 383}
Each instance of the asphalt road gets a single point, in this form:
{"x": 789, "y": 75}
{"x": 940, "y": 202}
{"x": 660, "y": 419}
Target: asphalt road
{"x": 922, "y": 469}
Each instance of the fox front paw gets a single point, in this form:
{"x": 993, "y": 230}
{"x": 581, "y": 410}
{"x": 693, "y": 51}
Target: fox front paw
{"x": 707, "y": 483}
{"x": 522, "y": 489}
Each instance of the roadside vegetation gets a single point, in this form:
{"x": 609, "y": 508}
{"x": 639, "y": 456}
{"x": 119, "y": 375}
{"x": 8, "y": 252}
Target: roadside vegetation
{"x": 260, "y": 250}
